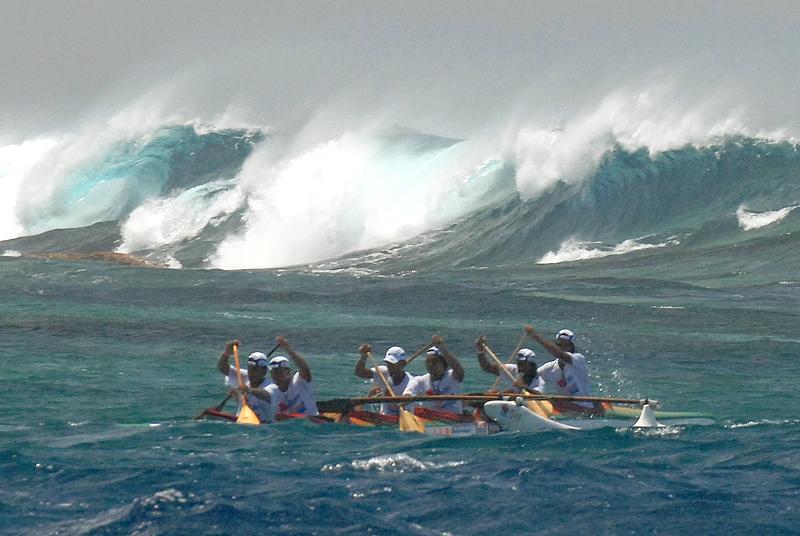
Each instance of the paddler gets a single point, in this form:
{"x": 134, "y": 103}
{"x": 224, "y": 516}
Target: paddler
{"x": 290, "y": 393}
{"x": 254, "y": 378}
{"x": 567, "y": 374}
{"x": 525, "y": 370}
{"x": 445, "y": 376}
{"x": 393, "y": 370}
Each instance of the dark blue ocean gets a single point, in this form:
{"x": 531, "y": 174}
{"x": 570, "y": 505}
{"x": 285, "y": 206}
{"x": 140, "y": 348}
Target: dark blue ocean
{"x": 678, "y": 271}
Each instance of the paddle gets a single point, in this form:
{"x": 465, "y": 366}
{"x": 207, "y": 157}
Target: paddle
{"x": 346, "y": 404}
{"x": 408, "y": 421}
{"x": 418, "y": 353}
{"x": 541, "y": 408}
{"x": 246, "y": 415}
{"x": 221, "y": 405}
{"x": 218, "y": 407}
{"x": 511, "y": 358}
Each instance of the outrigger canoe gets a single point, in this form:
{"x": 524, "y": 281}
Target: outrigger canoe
{"x": 495, "y": 412}
{"x": 514, "y": 416}
{"x": 439, "y": 423}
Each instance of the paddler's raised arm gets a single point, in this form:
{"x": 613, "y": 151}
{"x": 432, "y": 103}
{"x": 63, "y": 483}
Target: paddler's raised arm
{"x": 361, "y": 367}
{"x": 550, "y": 346}
{"x": 486, "y": 366}
{"x": 223, "y": 364}
{"x": 257, "y": 392}
{"x": 302, "y": 365}
{"x": 452, "y": 362}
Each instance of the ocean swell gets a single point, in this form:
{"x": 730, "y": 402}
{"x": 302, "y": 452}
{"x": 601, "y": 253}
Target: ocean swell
{"x": 243, "y": 198}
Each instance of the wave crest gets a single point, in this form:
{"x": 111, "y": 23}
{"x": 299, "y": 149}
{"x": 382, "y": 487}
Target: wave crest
{"x": 575, "y": 250}
{"x": 755, "y": 220}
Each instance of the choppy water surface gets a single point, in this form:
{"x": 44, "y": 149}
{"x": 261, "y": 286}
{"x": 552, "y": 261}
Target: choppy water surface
{"x": 105, "y": 365}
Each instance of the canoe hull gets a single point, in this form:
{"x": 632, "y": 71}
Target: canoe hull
{"x": 510, "y": 416}
{"x": 516, "y": 418}
{"x": 435, "y": 424}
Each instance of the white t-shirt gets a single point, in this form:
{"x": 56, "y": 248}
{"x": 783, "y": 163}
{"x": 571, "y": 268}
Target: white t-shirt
{"x": 535, "y": 383}
{"x": 260, "y": 407}
{"x": 447, "y": 385}
{"x": 298, "y": 398}
{"x": 573, "y": 380}
{"x": 398, "y": 388}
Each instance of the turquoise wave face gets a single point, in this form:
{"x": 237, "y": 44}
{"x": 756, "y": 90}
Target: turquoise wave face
{"x": 132, "y": 171}
{"x": 734, "y": 199}
{"x": 676, "y": 202}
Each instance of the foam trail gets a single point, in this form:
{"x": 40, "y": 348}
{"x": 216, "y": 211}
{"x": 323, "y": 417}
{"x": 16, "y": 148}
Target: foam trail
{"x": 755, "y": 220}
{"x": 575, "y": 250}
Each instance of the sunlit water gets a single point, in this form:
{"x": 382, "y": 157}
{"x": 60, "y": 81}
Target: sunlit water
{"x": 105, "y": 365}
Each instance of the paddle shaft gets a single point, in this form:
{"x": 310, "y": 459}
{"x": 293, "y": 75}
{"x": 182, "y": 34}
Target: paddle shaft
{"x": 221, "y": 405}
{"x": 418, "y": 353}
{"x": 237, "y": 366}
{"x": 502, "y": 367}
{"x": 408, "y": 421}
{"x": 246, "y": 414}
{"x": 510, "y": 359}
{"x": 541, "y": 408}
{"x": 383, "y": 378}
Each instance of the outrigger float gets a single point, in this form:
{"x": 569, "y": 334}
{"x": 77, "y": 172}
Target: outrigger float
{"x": 497, "y": 412}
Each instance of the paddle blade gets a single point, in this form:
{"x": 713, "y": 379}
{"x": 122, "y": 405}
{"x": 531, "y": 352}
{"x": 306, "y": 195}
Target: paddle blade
{"x": 540, "y": 408}
{"x": 410, "y": 422}
{"x": 247, "y": 415}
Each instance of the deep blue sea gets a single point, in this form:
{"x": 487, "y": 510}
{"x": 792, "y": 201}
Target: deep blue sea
{"x": 677, "y": 271}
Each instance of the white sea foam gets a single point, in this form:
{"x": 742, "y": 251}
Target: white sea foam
{"x": 575, "y": 250}
{"x": 651, "y": 118}
{"x": 228, "y": 314}
{"x": 11, "y": 253}
{"x": 392, "y": 463}
{"x": 762, "y": 422}
{"x": 172, "y": 263}
{"x": 660, "y": 431}
{"x": 16, "y": 162}
{"x": 346, "y": 194}
{"x": 755, "y": 220}
{"x": 170, "y": 220}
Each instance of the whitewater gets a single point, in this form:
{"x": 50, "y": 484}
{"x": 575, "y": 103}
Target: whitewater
{"x": 198, "y": 195}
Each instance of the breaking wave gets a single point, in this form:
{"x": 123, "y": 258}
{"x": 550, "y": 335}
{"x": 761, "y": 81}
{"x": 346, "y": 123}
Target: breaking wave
{"x": 574, "y": 250}
{"x": 755, "y": 220}
{"x": 194, "y": 195}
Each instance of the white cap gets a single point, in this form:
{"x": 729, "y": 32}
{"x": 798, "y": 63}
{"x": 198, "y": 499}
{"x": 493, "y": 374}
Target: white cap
{"x": 278, "y": 362}
{"x": 526, "y": 354}
{"x": 565, "y": 335}
{"x": 434, "y": 350}
{"x": 395, "y": 354}
{"x": 257, "y": 358}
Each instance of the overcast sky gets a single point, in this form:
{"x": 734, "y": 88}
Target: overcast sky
{"x": 460, "y": 62}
